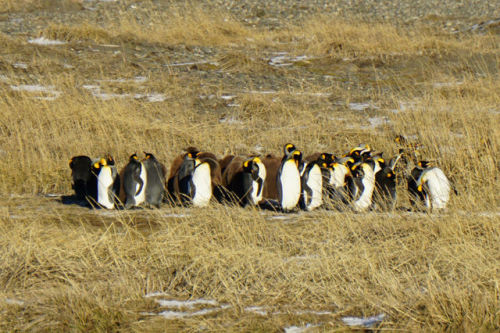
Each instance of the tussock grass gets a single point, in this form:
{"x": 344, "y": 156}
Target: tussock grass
{"x": 68, "y": 268}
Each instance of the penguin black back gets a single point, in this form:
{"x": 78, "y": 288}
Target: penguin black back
{"x": 133, "y": 184}
{"x": 81, "y": 174}
{"x": 155, "y": 173}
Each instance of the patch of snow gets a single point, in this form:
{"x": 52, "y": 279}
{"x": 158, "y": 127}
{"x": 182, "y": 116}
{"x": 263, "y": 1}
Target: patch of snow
{"x": 256, "y": 309}
{"x": 14, "y": 301}
{"x": 45, "y": 41}
{"x": 211, "y": 96}
{"x": 153, "y": 97}
{"x": 282, "y": 59}
{"x": 185, "y": 304}
{"x": 228, "y": 97}
{"x": 230, "y": 121}
{"x": 180, "y": 314}
{"x": 362, "y": 106}
{"x": 296, "y": 329}
{"x": 110, "y": 45}
{"x": 36, "y": 88}
{"x": 21, "y": 65}
{"x": 363, "y": 321}
{"x": 447, "y": 84}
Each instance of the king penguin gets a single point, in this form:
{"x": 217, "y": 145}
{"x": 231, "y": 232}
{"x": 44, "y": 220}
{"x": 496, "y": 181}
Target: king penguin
{"x": 174, "y": 193}
{"x": 195, "y": 181}
{"x": 288, "y": 181}
{"x": 311, "y": 186}
{"x": 81, "y": 174}
{"x": 135, "y": 181}
{"x": 341, "y": 182}
{"x": 245, "y": 179}
{"x": 155, "y": 180}
{"x": 435, "y": 187}
{"x": 364, "y": 181}
{"x": 107, "y": 181}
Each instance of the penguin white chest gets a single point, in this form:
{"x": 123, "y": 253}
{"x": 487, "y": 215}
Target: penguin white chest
{"x": 338, "y": 177}
{"x": 104, "y": 183}
{"x": 290, "y": 185}
{"x": 439, "y": 188}
{"x": 313, "y": 198}
{"x": 202, "y": 183}
{"x": 256, "y": 194}
{"x": 140, "y": 193}
{"x": 365, "y": 199}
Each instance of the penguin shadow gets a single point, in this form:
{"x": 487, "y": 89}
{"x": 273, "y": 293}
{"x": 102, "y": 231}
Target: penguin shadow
{"x": 275, "y": 207}
{"x": 73, "y": 200}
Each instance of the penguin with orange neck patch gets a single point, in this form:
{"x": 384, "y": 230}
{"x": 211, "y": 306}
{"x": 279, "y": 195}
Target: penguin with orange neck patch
{"x": 288, "y": 181}
{"x": 106, "y": 186}
{"x": 245, "y": 179}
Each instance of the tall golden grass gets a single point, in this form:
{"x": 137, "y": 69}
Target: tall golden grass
{"x": 65, "y": 268}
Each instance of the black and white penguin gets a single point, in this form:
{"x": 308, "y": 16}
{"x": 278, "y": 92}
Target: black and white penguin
{"x": 384, "y": 196}
{"x": 195, "y": 181}
{"x": 416, "y": 196}
{"x": 312, "y": 189}
{"x": 107, "y": 182}
{"x": 288, "y": 181}
{"x": 184, "y": 166}
{"x": 435, "y": 187}
{"x": 155, "y": 180}
{"x": 245, "y": 179}
{"x": 135, "y": 181}
{"x": 359, "y": 152}
{"x": 341, "y": 182}
{"x": 364, "y": 182}
{"x": 81, "y": 174}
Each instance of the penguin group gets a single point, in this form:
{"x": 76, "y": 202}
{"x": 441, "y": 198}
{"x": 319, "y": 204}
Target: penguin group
{"x": 359, "y": 180}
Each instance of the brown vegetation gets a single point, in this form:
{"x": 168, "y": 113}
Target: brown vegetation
{"x": 66, "y": 268}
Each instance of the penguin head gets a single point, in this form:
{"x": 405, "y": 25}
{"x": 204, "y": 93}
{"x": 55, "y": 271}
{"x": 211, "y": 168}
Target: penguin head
{"x": 297, "y": 156}
{"x": 251, "y": 166}
{"x": 346, "y": 161}
{"x": 133, "y": 158}
{"x": 399, "y": 139}
{"x": 377, "y": 158}
{"x": 360, "y": 168}
{"x": 289, "y": 148}
{"x": 326, "y": 160}
{"x": 192, "y": 150}
{"x": 423, "y": 164}
{"x": 361, "y": 149}
{"x": 149, "y": 156}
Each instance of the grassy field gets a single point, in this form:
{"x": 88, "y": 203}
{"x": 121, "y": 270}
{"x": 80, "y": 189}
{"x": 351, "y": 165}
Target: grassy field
{"x": 159, "y": 81}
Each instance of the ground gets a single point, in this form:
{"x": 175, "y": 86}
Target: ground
{"x": 245, "y": 77}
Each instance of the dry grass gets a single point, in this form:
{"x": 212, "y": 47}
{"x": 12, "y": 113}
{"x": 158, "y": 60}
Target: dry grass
{"x": 66, "y": 268}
